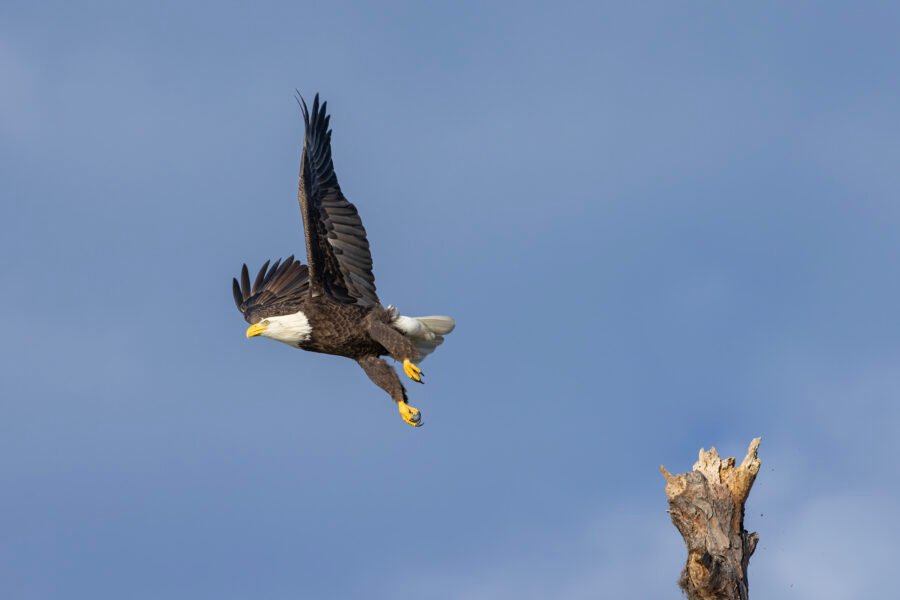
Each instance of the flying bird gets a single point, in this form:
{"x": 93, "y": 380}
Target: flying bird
{"x": 329, "y": 305}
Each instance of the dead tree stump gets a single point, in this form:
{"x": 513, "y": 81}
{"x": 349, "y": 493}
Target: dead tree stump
{"x": 707, "y": 507}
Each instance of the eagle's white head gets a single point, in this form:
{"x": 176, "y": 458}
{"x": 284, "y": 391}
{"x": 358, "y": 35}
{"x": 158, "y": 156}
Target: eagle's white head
{"x": 290, "y": 329}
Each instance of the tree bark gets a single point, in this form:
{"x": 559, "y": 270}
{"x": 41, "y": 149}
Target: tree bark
{"x": 707, "y": 507}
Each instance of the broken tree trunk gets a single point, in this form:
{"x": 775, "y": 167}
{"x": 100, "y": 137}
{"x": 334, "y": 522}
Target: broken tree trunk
{"x": 707, "y": 507}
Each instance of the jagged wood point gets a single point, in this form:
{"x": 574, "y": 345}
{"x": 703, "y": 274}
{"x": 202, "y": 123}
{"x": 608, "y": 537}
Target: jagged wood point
{"x": 707, "y": 507}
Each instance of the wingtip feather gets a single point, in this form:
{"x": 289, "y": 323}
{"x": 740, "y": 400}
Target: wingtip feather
{"x": 259, "y": 277}
{"x": 245, "y": 281}
{"x": 236, "y": 292}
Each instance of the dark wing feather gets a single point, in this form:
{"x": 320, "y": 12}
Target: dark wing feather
{"x": 277, "y": 290}
{"x": 259, "y": 277}
{"x": 245, "y": 281}
{"x": 340, "y": 263}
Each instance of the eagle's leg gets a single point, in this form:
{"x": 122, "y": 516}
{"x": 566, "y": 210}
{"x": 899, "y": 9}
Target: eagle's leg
{"x": 398, "y": 346}
{"x": 386, "y": 378}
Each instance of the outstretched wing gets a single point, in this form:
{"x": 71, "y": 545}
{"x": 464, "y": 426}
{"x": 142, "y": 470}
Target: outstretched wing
{"x": 340, "y": 263}
{"x": 277, "y": 290}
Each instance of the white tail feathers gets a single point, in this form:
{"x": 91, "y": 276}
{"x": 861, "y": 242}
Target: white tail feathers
{"x": 439, "y": 325}
{"x": 427, "y": 333}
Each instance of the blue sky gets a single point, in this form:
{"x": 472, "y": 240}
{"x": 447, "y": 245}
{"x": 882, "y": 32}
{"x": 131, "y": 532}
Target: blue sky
{"x": 660, "y": 227}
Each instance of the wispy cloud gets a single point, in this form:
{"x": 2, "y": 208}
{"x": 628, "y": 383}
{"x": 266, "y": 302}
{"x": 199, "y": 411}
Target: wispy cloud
{"x": 833, "y": 548}
{"x": 626, "y": 553}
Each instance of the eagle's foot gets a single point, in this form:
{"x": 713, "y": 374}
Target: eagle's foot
{"x": 412, "y": 371}
{"x": 411, "y": 415}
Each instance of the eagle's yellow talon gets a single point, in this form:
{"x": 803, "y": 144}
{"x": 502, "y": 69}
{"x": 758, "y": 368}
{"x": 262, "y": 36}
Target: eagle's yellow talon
{"x": 412, "y": 371}
{"x": 411, "y": 415}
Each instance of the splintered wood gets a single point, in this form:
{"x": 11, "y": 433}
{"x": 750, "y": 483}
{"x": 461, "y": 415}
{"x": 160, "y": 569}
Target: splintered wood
{"x": 707, "y": 507}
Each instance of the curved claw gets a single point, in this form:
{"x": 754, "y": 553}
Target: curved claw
{"x": 410, "y": 415}
{"x": 412, "y": 371}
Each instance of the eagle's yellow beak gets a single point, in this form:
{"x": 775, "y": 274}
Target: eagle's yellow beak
{"x": 255, "y": 330}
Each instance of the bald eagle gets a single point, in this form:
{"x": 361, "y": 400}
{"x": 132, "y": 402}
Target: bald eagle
{"x": 330, "y": 305}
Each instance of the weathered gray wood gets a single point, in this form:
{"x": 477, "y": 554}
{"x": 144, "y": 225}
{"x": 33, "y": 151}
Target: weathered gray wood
{"x": 707, "y": 507}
